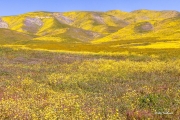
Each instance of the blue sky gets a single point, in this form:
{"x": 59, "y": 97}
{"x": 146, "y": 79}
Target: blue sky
{"x": 14, "y": 7}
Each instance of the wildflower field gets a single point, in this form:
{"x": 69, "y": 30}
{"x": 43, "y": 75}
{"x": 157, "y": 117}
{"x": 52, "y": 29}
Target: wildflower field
{"x": 90, "y": 65}
{"x": 132, "y": 84}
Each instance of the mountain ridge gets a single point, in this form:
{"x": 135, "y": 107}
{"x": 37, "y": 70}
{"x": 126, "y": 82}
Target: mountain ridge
{"x": 94, "y": 26}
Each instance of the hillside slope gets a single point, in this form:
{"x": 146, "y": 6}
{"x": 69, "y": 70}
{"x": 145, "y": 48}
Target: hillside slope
{"x": 91, "y": 27}
{"x": 13, "y": 37}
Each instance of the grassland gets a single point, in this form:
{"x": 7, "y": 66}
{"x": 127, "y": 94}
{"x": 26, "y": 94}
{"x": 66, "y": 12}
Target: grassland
{"x": 39, "y": 84}
{"x": 79, "y": 65}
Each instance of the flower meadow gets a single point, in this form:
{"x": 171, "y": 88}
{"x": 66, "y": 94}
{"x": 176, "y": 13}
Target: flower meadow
{"x": 42, "y": 85}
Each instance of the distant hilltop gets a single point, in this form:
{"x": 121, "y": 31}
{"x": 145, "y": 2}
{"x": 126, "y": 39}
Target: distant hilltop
{"x": 42, "y": 17}
{"x": 95, "y": 27}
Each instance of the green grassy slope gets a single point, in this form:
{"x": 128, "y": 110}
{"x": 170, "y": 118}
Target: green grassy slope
{"x": 13, "y": 37}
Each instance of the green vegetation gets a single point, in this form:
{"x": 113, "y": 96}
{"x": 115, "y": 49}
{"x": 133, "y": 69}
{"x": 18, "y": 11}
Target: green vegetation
{"x": 109, "y": 65}
{"x": 97, "y": 27}
{"x": 62, "y": 85}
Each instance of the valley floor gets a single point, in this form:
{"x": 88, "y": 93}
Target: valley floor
{"x": 130, "y": 84}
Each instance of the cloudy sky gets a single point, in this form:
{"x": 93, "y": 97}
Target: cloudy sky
{"x": 14, "y": 7}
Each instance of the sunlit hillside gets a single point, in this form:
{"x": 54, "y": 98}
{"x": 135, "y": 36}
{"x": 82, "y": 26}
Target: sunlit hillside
{"x": 89, "y": 65}
{"x": 95, "y": 27}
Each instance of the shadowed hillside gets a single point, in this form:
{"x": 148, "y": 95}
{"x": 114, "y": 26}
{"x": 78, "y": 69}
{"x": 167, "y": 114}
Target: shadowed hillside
{"x": 13, "y": 37}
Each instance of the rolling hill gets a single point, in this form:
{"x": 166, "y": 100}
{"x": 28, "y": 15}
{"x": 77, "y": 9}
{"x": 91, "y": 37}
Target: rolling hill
{"x": 87, "y": 65}
{"x": 89, "y": 27}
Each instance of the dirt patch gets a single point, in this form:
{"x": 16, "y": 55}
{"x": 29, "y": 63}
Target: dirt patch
{"x": 63, "y": 19}
{"x": 170, "y": 14}
{"x": 144, "y": 27}
{"x": 147, "y": 27}
{"x": 98, "y": 19}
{"x": 30, "y": 61}
{"x": 3, "y": 24}
{"x": 82, "y": 35}
{"x": 119, "y": 21}
{"x": 32, "y": 24}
